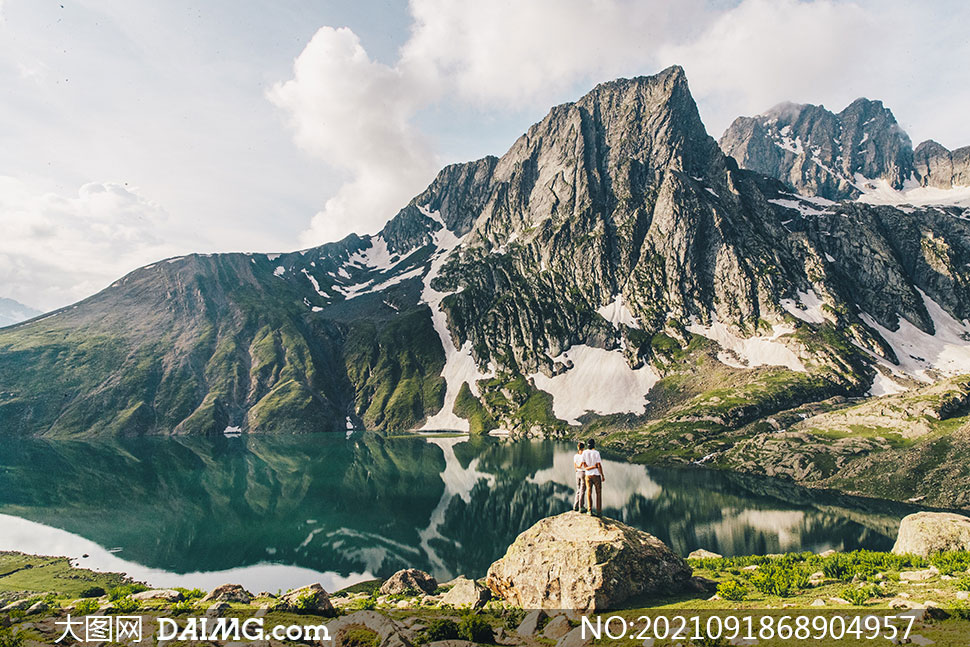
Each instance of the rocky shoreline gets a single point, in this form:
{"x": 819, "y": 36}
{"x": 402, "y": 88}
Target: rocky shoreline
{"x": 562, "y": 568}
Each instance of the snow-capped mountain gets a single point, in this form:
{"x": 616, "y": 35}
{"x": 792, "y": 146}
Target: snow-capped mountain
{"x": 614, "y": 267}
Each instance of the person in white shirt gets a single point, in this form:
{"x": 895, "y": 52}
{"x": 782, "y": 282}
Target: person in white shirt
{"x": 594, "y": 477}
{"x": 580, "y": 478}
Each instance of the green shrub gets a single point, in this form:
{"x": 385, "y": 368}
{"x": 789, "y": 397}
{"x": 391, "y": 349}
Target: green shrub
{"x": 363, "y": 604}
{"x": 360, "y": 637}
{"x": 9, "y": 639}
{"x": 963, "y": 584}
{"x": 124, "y": 591}
{"x": 86, "y": 607}
{"x": 778, "y": 578}
{"x": 126, "y": 604}
{"x": 860, "y": 595}
{"x": 476, "y": 629}
{"x": 513, "y": 617}
{"x": 440, "y": 629}
{"x": 92, "y": 592}
{"x": 183, "y": 606}
{"x": 191, "y": 594}
{"x": 951, "y": 562}
{"x": 732, "y": 590}
{"x": 838, "y": 567}
{"x": 305, "y": 602}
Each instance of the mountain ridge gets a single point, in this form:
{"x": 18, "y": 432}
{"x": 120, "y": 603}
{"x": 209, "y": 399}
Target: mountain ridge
{"x": 615, "y": 269}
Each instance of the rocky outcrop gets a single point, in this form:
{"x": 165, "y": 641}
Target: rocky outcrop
{"x": 312, "y": 599}
{"x": 585, "y": 563}
{"x": 925, "y": 533}
{"x": 229, "y": 593}
{"x": 466, "y": 593}
{"x": 939, "y": 167}
{"x": 702, "y": 553}
{"x": 821, "y": 153}
{"x": 164, "y": 595}
{"x": 409, "y": 581}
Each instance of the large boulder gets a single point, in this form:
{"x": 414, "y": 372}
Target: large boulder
{"x": 311, "y": 599}
{"x": 466, "y": 593}
{"x": 165, "y": 595}
{"x": 925, "y": 533}
{"x": 229, "y": 593}
{"x": 409, "y": 581}
{"x": 584, "y": 563}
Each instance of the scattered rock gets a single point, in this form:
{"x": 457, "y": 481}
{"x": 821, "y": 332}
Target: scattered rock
{"x": 452, "y": 643}
{"x": 165, "y": 595}
{"x": 827, "y": 553}
{"x": 557, "y": 628}
{"x": 702, "y": 584}
{"x": 19, "y": 605}
{"x": 409, "y": 580}
{"x": 963, "y": 595}
{"x": 37, "y": 607}
{"x": 925, "y": 533}
{"x": 752, "y": 567}
{"x": 700, "y": 553}
{"x": 266, "y": 594}
{"x": 229, "y": 593}
{"x": 586, "y": 563}
{"x": 466, "y": 593}
{"x": 530, "y": 624}
{"x": 818, "y": 602}
{"x": 835, "y": 600}
{"x": 309, "y": 599}
{"x": 217, "y": 609}
{"x": 903, "y": 603}
{"x": 918, "y": 576}
{"x": 389, "y": 632}
{"x": 574, "y": 638}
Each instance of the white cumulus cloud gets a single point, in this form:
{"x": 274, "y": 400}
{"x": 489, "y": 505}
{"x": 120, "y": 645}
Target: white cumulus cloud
{"x": 355, "y": 114}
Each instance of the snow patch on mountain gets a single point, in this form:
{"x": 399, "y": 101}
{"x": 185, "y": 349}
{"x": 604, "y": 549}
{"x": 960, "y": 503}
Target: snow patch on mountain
{"x": 881, "y": 192}
{"x": 808, "y": 307}
{"x": 618, "y": 314}
{"x": 920, "y": 354}
{"x": 377, "y": 256}
{"x": 740, "y": 352}
{"x": 882, "y": 384}
{"x": 460, "y": 365}
{"x": 600, "y": 381}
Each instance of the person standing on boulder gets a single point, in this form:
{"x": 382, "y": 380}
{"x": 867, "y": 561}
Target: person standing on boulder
{"x": 580, "y": 478}
{"x": 594, "y": 477}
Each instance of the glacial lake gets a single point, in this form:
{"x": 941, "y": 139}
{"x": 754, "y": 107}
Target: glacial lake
{"x": 284, "y": 511}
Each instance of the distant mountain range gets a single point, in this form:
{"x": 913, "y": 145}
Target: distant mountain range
{"x": 12, "y": 312}
{"x": 616, "y": 269}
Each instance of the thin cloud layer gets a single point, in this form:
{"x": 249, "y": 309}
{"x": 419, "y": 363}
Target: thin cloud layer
{"x": 75, "y": 245}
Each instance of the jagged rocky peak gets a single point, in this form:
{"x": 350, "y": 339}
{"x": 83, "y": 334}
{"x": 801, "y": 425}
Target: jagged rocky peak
{"x": 939, "y": 167}
{"x": 823, "y": 153}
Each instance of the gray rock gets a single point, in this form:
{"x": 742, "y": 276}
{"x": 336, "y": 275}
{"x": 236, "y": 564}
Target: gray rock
{"x": 390, "y": 633}
{"x": 165, "y": 595}
{"x": 925, "y": 533}
{"x": 229, "y": 593}
{"x": 530, "y": 624}
{"x": 217, "y": 609}
{"x": 574, "y": 638}
{"x": 585, "y": 563}
{"x": 466, "y": 593}
{"x": 557, "y": 628}
{"x": 18, "y": 605}
{"x": 312, "y": 599}
{"x": 700, "y": 553}
{"x": 409, "y": 580}
{"x": 38, "y": 607}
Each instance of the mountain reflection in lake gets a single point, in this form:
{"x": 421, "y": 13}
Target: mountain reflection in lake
{"x": 276, "y": 512}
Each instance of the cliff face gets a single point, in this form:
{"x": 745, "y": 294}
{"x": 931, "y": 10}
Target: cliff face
{"x": 611, "y": 249}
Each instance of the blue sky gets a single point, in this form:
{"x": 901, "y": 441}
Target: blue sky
{"x": 134, "y": 130}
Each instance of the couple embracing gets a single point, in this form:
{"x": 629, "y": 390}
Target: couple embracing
{"x": 589, "y": 477}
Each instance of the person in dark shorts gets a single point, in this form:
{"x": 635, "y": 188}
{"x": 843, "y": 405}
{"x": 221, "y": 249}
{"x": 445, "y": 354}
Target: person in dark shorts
{"x": 580, "y": 478}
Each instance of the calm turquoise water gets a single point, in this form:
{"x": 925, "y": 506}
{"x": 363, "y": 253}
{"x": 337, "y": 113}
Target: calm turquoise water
{"x": 277, "y": 512}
